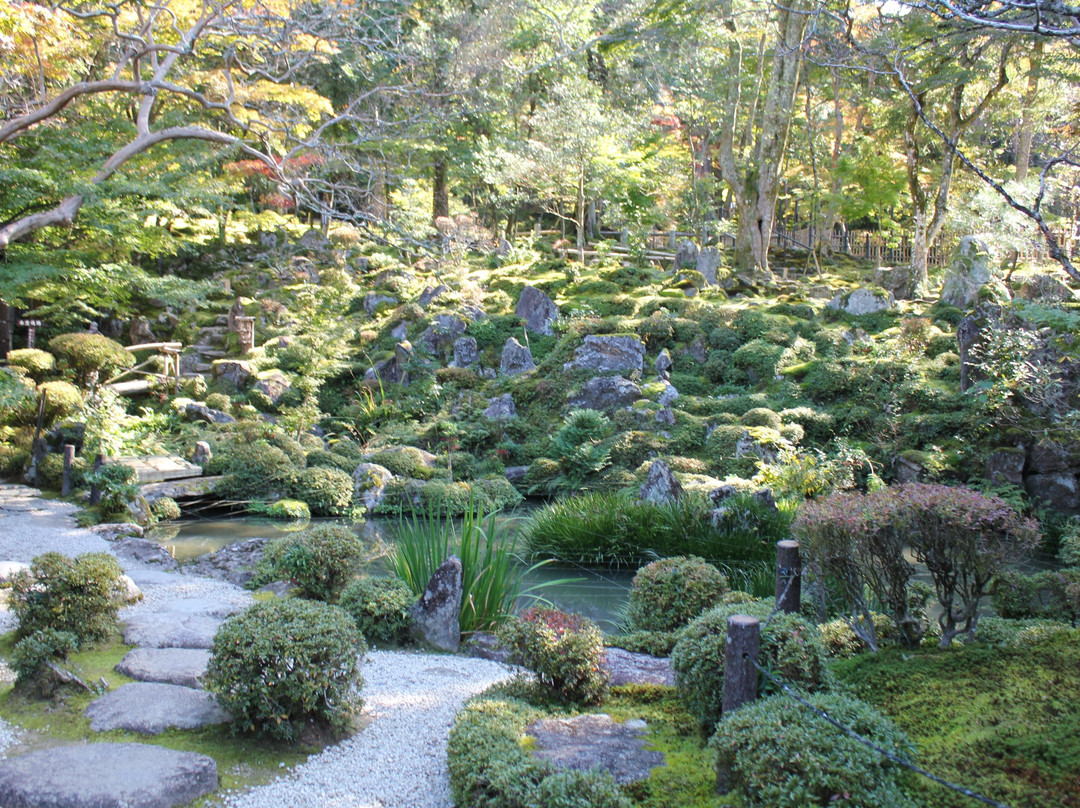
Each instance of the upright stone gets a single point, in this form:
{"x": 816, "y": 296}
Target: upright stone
{"x": 686, "y": 255}
{"x": 663, "y": 364}
{"x": 537, "y": 310}
{"x": 605, "y": 354}
{"x": 708, "y": 262}
{"x": 501, "y": 408}
{"x": 466, "y": 353}
{"x": 202, "y": 453}
{"x": 660, "y": 487}
{"x": 969, "y": 271}
{"x": 437, "y": 614}
{"x": 516, "y": 358}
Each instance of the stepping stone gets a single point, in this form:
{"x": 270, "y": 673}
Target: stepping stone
{"x": 150, "y": 708}
{"x": 171, "y": 630}
{"x": 173, "y": 666}
{"x": 594, "y": 741}
{"x": 106, "y": 775}
{"x": 627, "y": 668}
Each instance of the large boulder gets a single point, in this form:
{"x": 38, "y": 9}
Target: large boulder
{"x": 516, "y": 359}
{"x": 442, "y": 333}
{"x": 663, "y": 364}
{"x": 1045, "y": 289}
{"x": 862, "y": 301}
{"x": 436, "y": 616}
{"x": 273, "y": 385}
{"x": 369, "y": 484}
{"x": 106, "y": 775}
{"x": 660, "y": 487}
{"x": 1060, "y": 491}
{"x": 236, "y": 371}
{"x": 501, "y": 408}
{"x": 970, "y": 269}
{"x": 1006, "y": 465}
{"x": 373, "y": 301}
{"x": 537, "y": 310}
{"x": 609, "y": 354}
{"x": 466, "y": 353}
{"x": 234, "y": 563}
{"x": 686, "y": 255}
{"x": 708, "y": 264}
{"x": 195, "y": 411}
{"x": 395, "y": 369}
{"x": 605, "y": 393}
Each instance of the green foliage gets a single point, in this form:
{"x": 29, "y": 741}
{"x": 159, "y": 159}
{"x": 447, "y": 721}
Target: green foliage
{"x": 381, "y": 608}
{"x": 404, "y": 461}
{"x": 1053, "y": 594}
{"x": 580, "y": 445}
{"x": 782, "y": 755}
{"x": 790, "y": 647}
{"x": 320, "y": 560}
{"x": 757, "y": 361}
{"x": 87, "y": 353}
{"x": 761, "y": 416}
{"x": 565, "y": 651}
{"x": 841, "y": 640}
{"x": 321, "y": 457}
{"x": 82, "y": 596}
{"x": 667, "y": 594}
{"x": 116, "y": 484}
{"x": 34, "y": 651}
{"x": 283, "y": 665}
{"x": 251, "y": 470}
{"x": 328, "y": 492}
{"x": 35, "y": 362}
{"x": 165, "y": 509}
{"x": 292, "y": 509}
{"x": 1069, "y": 546}
{"x": 62, "y": 400}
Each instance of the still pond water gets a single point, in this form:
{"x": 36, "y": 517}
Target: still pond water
{"x": 600, "y": 595}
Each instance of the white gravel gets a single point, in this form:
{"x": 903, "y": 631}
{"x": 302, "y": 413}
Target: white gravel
{"x": 399, "y": 759}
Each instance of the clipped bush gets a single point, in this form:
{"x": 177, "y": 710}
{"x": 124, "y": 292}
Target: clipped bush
{"x": 328, "y": 492}
{"x": 32, "y": 361}
{"x": 87, "y": 353}
{"x": 251, "y": 471}
{"x": 219, "y": 401}
{"x": 405, "y": 461}
{"x": 81, "y": 596}
{"x": 761, "y": 416}
{"x": 331, "y": 460}
{"x": 320, "y": 560}
{"x": 667, "y": 594}
{"x": 790, "y": 647}
{"x": 287, "y": 509}
{"x": 565, "y": 651}
{"x": 61, "y": 400}
{"x": 381, "y": 608}
{"x": 35, "y": 651}
{"x": 13, "y": 460}
{"x": 282, "y": 665}
{"x": 782, "y": 755}
{"x": 165, "y": 509}
{"x": 499, "y": 492}
{"x": 841, "y": 640}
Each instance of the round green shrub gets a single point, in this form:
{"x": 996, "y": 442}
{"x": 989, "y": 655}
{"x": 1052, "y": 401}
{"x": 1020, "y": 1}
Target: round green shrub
{"x": 251, "y": 471}
{"x": 62, "y": 399}
{"x": 330, "y": 460}
{"x": 13, "y": 460}
{"x": 758, "y": 359}
{"x": 405, "y": 461}
{"x": 34, "y": 651}
{"x": 293, "y": 449}
{"x": 219, "y": 401}
{"x": 328, "y": 492}
{"x": 50, "y": 471}
{"x": 285, "y": 664}
{"x": 165, "y": 509}
{"x": 348, "y": 449}
{"x": 320, "y": 560}
{"x": 81, "y": 595}
{"x": 33, "y": 361}
{"x": 667, "y": 594}
{"x": 288, "y": 509}
{"x": 761, "y": 416}
{"x": 499, "y": 491}
{"x": 790, "y": 647}
{"x": 87, "y": 353}
{"x": 565, "y": 651}
{"x": 381, "y": 608}
{"x": 782, "y": 755}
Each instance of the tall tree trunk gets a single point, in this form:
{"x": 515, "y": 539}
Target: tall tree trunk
{"x": 1027, "y": 119}
{"x": 440, "y": 197}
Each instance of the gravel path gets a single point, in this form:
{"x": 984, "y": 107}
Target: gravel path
{"x": 397, "y": 761}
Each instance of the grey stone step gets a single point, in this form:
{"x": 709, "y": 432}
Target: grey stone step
{"x": 152, "y": 707}
{"x": 173, "y": 666}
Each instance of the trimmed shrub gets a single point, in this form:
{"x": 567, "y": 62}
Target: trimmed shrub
{"x": 251, "y": 471}
{"x": 782, "y": 755}
{"x": 381, "y": 608}
{"x": 653, "y": 643}
{"x": 841, "y": 641}
{"x": 669, "y": 593}
{"x": 218, "y": 401}
{"x": 13, "y": 460}
{"x": 565, "y": 651}
{"x": 33, "y": 652}
{"x": 50, "y": 471}
{"x": 33, "y": 361}
{"x": 406, "y": 461}
{"x": 62, "y": 399}
{"x": 761, "y": 416}
{"x": 790, "y": 647}
{"x": 320, "y": 560}
{"x": 287, "y": 509}
{"x": 328, "y": 492}
{"x": 330, "y": 460}
{"x": 285, "y": 664}
{"x": 87, "y": 353}
{"x": 165, "y": 509}
{"x": 81, "y": 596}
{"x": 819, "y": 427}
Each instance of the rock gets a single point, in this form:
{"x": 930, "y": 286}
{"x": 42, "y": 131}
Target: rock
{"x": 1006, "y": 465}
{"x": 697, "y": 351}
{"x": 132, "y": 548}
{"x": 431, "y": 294}
{"x": 444, "y": 330}
{"x": 746, "y": 446}
{"x": 9, "y": 569}
{"x": 200, "y": 412}
{"x": 1059, "y": 491}
{"x": 819, "y": 292}
{"x": 516, "y": 359}
{"x": 173, "y": 666}
{"x": 1049, "y": 456}
{"x": 862, "y": 301}
{"x": 202, "y": 454}
{"x": 515, "y": 473}
{"x": 893, "y": 279}
{"x": 969, "y": 271}
{"x": 369, "y": 483}
{"x": 179, "y": 489}
{"x": 628, "y": 668}
{"x": 234, "y": 563}
{"x": 594, "y": 741}
{"x": 132, "y": 593}
{"x": 968, "y": 335}
{"x": 373, "y": 301}
{"x": 152, "y": 707}
{"x": 273, "y": 385}
{"x": 171, "y": 630}
{"x": 766, "y": 498}
{"x": 708, "y": 263}
{"x": 313, "y": 240}
{"x": 660, "y": 487}
{"x": 395, "y": 369}
{"x": 106, "y": 775}
{"x": 665, "y": 416}
{"x": 686, "y": 255}
{"x": 501, "y": 408}
{"x": 111, "y": 531}
{"x": 466, "y": 353}
{"x": 537, "y": 310}
{"x": 667, "y": 395}
{"x": 1045, "y": 289}
{"x": 237, "y": 371}
{"x": 663, "y": 364}
{"x": 718, "y": 495}
{"x": 140, "y": 332}
{"x": 605, "y": 393}
{"x": 400, "y": 331}
{"x": 485, "y": 645}
{"x": 436, "y": 615}
{"x": 609, "y": 354}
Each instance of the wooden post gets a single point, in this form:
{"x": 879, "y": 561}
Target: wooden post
{"x": 95, "y": 489}
{"x": 5, "y": 329}
{"x": 788, "y": 576}
{"x": 69, "y": 461}
{"x": 740, "y": 675}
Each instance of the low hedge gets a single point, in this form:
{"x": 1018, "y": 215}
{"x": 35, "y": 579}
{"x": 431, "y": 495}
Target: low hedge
{"x": 381, "y": 608}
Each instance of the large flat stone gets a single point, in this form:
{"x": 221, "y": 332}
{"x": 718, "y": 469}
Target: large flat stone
{"x": 173, "y": 666}
{"x": 586, "y": 742}
{"x": 158, "y": 468}
{"x": 151, "y": 708}
{"x": 171, "y": 630}
{"x": 106, "y": 775}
